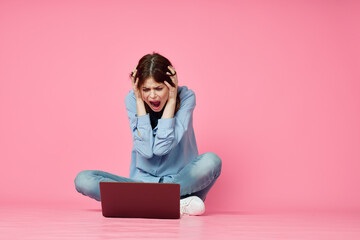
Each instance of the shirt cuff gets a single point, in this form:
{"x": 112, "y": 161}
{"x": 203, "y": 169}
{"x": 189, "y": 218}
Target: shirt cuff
{"x": 143, "y": 120}
{"x": 166, "y": 123}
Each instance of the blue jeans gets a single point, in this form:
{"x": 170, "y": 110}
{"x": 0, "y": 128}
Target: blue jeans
{"x": 195, "y": 179}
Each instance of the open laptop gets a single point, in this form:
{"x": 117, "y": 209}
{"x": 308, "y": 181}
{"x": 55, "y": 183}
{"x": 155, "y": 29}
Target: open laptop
{"x": 140, "y": 200}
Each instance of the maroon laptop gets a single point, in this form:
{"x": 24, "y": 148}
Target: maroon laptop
{"x": 140, "y": 200}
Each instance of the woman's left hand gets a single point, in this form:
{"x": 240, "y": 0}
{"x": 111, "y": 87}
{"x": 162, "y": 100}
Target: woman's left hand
{"x": 172, "y": 90}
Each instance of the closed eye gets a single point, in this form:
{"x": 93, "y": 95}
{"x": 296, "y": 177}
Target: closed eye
{"x": 147, "y": 89}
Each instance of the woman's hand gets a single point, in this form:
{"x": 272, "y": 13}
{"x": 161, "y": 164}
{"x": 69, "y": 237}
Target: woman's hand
{"x": 172, "y": 90}
{"x": 135, "y": 85}
{"x": 140, "y": 105}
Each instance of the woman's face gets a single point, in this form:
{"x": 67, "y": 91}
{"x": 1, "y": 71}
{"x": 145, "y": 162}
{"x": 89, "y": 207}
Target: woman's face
{"x": 155, "y": 94}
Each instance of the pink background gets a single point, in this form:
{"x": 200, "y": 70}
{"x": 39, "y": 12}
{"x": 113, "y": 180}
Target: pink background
{"x": 277, "y": 86}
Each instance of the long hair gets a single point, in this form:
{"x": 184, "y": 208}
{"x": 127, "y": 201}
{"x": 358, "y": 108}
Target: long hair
{"x": 154, "y": 66}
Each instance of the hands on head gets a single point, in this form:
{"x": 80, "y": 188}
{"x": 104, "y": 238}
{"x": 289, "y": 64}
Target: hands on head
{"x": 172, "y": 89}
{"x": 135, "y": 84}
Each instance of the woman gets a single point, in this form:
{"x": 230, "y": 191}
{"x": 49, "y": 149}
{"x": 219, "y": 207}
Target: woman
{"x": 164, "y": 147}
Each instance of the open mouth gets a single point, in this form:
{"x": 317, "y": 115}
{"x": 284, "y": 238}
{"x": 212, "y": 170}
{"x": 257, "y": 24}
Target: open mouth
{"x": 155, "y": 104}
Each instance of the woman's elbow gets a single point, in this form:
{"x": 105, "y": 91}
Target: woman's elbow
{"x": 146, "y": 153}
{"x": 161, "y": 150}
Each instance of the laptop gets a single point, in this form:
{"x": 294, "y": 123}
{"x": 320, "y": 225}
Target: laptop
{"x": 140, "y": 200}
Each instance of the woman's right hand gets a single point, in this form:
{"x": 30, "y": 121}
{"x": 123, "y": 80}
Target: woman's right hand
{"x": 140, "y": 105}
{"x": 135, "y": 85}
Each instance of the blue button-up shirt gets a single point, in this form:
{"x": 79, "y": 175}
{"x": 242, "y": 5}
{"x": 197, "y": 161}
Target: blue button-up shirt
{"x": 166, "y": 149}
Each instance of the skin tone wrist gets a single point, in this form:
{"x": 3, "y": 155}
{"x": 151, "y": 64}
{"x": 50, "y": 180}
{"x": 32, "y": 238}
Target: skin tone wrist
{"x": 169, "y": 109}
{"x": 141, "y": 111}
{"x": 140, "y": 105}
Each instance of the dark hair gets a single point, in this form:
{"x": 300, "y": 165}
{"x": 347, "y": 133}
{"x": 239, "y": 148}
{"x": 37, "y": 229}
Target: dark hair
{"x": 155, "y": 66}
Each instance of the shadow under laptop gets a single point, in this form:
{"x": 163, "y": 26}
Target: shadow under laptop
{"x": 93, "y": 210}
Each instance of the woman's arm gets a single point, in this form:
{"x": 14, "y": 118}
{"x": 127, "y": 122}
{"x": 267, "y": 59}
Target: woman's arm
{"x": 171, "y": 130}
{"x": 140, "y": 106}
{"x": 141, "y": 111}
{"x": 169, "y": 109}
{"x": 140, "y": 126}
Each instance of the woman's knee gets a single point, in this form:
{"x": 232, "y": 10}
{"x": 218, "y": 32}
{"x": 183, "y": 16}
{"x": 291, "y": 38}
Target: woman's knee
{"x": 210, "y": 162}
{"x": 214, "y": 159}
{"x": 83, "y": 183}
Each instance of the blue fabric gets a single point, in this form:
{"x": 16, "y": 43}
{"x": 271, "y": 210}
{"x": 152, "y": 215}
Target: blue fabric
{"x": 166, "y": 149}
{"x": 195, "y": 179}
{"x": 166, "y": 153}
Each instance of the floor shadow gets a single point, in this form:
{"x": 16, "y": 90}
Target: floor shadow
{"x": 93, "y": 210}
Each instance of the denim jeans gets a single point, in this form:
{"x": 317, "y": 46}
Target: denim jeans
{"x": 195, "y": 179}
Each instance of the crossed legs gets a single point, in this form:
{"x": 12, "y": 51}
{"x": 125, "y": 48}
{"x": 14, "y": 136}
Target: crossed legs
{"x": 195, "y": 179}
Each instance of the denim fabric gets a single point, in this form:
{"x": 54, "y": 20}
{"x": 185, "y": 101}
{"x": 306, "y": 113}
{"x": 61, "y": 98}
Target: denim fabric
{"x": 196, "y": 178}
{"x": 167, "y": 148}
{"x": 167, "y": 153}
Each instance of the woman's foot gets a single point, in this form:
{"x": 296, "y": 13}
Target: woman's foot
{"x": 192, "y": 205}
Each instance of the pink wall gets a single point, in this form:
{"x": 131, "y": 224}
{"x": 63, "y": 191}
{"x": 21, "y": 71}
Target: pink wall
{"x": 277, "y": 84}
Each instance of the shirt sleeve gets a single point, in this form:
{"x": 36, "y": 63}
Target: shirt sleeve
{"x": 144, "y": 144}
{"x": 171, "y": 130}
